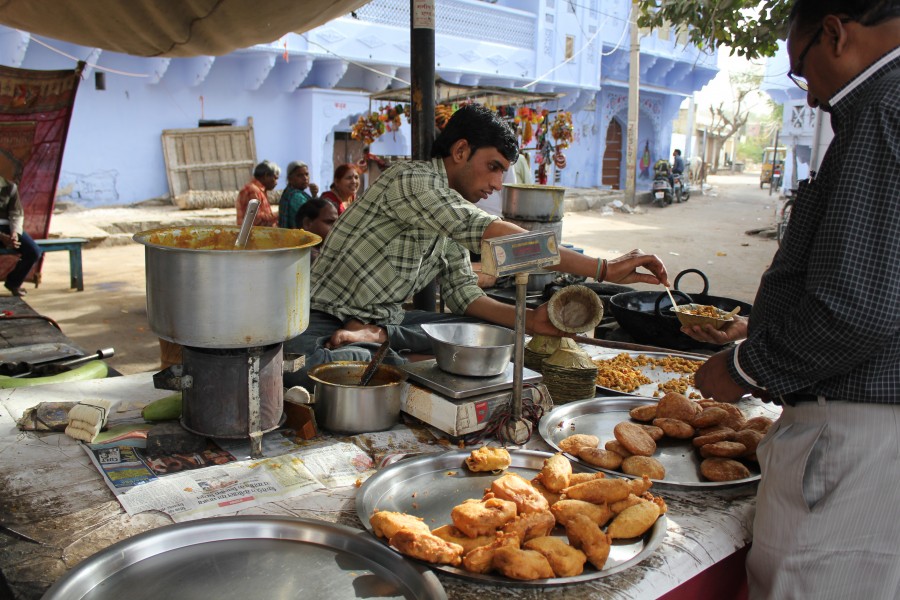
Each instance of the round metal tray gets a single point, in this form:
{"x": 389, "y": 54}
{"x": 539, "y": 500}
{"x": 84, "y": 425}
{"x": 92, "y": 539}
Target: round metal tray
{"x": 430, "y": 486}
{"x": 599, "y": 416}
{"x": 243, "y": 557}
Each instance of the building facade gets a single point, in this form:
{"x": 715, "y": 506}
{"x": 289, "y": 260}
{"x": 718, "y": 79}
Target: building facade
{"x": 303, "y": 92}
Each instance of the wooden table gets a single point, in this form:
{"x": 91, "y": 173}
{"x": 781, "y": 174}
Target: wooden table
{"x": 20, "y": 326}
{"x": 60, "y": 512}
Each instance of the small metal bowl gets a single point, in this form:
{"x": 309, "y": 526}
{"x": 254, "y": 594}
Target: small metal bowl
{"x": 471, "y": 349}
{"x": 687, "y": 319}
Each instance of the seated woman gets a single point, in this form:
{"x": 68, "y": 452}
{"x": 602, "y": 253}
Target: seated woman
{"x": 317, "y": 216}
{"x": 295, "y": 195}
{"x": 344, "y": 187}
{"x": 13, "y": 237}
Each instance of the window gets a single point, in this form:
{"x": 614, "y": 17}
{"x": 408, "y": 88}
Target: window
{"x": 570, "y": 46}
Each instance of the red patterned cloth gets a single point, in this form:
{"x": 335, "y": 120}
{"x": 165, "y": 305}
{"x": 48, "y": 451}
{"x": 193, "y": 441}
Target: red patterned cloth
{"x": 35, "y": 110}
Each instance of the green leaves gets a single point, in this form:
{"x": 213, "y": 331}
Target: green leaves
{"x": 750, "y": 28}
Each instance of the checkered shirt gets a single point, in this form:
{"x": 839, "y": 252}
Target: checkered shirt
{"x": 826, "y": 319}
{"x": 407, "y": 229}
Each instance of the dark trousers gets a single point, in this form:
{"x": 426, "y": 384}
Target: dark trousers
{"x": 29, "y": 253}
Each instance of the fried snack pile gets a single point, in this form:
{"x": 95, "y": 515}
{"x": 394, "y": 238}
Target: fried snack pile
{"x": 623, "y": 372}
{"x": 725, "y": 438}
{"x": 703, "y": 310}
{"x": 510, "y": 530}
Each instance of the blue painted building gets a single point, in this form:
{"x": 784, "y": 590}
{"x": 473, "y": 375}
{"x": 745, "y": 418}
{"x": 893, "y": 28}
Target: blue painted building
{"x": 304, "y": 92}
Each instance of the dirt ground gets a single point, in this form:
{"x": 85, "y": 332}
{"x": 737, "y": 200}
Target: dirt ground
{"x": 708, "y": 233}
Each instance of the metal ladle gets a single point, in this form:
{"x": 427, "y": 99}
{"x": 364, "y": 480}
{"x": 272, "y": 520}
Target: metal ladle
{"x": 244, "y": 235}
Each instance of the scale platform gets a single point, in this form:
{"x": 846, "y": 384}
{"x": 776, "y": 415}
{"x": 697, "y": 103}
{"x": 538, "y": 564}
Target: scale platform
{"x": 462, "y": 405}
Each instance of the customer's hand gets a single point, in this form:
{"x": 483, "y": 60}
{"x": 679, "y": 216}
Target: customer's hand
{"x": 731, "y": 332}
{"x": 714, "y": 381}
{"x": 624, "y": 269}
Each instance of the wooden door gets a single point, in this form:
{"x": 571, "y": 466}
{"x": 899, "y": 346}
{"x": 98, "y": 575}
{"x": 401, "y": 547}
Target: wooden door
{"x": 208, "y": 158}
{"x": 612, "y": 155}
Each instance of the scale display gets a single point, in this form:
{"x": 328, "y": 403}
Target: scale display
{"x": 519, "y": 253}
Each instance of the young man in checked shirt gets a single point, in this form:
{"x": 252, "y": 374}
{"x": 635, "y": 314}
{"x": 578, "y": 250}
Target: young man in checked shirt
{"x": 419, "y": 221}
{"x": 824, "y": 336}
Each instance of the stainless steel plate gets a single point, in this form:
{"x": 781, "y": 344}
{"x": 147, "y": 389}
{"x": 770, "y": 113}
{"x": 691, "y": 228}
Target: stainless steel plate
{"x": 431, "y": 485}
{"x": 247, "y": 557}
{"x": 655, "y": 374}
{"x": 599, "y": 416}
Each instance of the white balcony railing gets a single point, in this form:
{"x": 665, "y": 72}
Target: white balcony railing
{"x": 460, "y": 18}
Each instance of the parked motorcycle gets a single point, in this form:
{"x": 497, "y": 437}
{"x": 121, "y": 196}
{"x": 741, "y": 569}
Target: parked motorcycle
{"x": 682, "y": 188}
{"x": 661, "y": 190}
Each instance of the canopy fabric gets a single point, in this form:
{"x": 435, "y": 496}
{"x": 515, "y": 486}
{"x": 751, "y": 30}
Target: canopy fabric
{"x": 176, "y": 28}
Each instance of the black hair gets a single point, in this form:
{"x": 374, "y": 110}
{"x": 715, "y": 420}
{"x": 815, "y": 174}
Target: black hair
{"x": 310, "y": 210}
{"x": 677, "y": 151}
{"x": 808, "y": 14}
{"x": 481, "y": 128}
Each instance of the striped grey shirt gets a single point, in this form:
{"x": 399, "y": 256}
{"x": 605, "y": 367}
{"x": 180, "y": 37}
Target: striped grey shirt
{"x": 405, "y": 230}
{"x": 826, "y": 319}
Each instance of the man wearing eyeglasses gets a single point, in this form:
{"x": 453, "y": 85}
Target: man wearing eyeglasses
{"x": 824, "y": 336}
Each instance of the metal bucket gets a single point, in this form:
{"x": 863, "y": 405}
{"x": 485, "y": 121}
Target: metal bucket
{"x": 343, "y": 406}
{"x": 202, "y": 292}
{"x": 542, "y": 203}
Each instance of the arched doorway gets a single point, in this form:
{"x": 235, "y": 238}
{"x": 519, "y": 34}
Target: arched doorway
{"x": 612, "y": 155}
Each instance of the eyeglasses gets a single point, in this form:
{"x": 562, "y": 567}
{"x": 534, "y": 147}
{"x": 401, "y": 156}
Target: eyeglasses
{"x": 796, "y": 76}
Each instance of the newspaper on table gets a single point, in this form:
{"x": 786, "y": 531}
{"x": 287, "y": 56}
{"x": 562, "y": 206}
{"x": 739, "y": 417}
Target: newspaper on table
{"x": 216, "y": 482}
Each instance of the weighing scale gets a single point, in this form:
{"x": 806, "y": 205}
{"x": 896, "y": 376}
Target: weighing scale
{"x": 460, "y": 405}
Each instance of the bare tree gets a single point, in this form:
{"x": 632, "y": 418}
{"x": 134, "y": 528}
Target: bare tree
{"x": 729, "y": 120}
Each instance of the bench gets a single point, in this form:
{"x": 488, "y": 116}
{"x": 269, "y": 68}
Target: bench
{"x": 73, "y": 245}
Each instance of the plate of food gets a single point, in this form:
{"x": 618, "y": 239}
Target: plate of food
{"x": 646, "y": 374}
{"x": 677, "y": 442}
{"x": 504, "y": 522}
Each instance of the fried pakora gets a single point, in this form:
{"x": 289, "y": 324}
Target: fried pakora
{"x": 449, "y": 533}
{"x": 556, "y": 472}
{"x": 572, "y": 443}
{"x": 427, "y": 547}
{"x": 585, "y": 535}
{"x": 598, "y": 457}
{"x": 525, "y": 565}
{"x": 488, "y": 458}
{"x": 565, "y": 560}
{"x": 517, "y": 489}
{"x": 644, "y": 465}
{"x": 634, "y": 521}
{"x": 634, "y": 438}
{"x": 482, "y": 517}
{"x": 481, "y": 559}
{"x": 564, "y": 510}
{"x": 386, "y": 524}
{"x": 599, "y": 491}
{"x": 531, "y": 525}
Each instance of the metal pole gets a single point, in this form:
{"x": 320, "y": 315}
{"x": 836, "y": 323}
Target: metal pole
{"x": 774, "y": 159}
{"x": 422, "y": 105}
{"x": 634, "y": 80}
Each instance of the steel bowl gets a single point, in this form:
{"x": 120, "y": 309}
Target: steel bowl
{"x": 341, "y": 405}
{"x": 471, "y": 349}
{"x": 542, "y": 203}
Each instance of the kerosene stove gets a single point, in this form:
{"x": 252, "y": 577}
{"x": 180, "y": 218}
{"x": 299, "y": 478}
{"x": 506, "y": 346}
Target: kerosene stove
{"x": 231, "y": 310}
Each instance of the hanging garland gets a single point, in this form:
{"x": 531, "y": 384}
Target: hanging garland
{"x": 527, "y": 119}
{"x": 391, "y": 115}
{"x": 368, "y": 128}
{"x": 562, "y": 129}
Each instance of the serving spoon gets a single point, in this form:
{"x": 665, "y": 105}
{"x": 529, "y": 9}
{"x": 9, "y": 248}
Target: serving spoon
{"x": 244, "y": 234}
{"x": 671, "y": 297}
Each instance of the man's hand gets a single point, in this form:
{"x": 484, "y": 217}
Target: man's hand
{"x": 714, "y": 381}
{"x": 624, "y": 269}
{"x": 313, "y": 190}
{"x": 10, "y": 240}
{"x": 537, "y": 322}
{"x": 731, "y": 332}
{"x": 355, "y": 331}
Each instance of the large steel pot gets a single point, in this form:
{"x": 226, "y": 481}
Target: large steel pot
{"x": 202, "y": 292}
{"x": 343, "y": 406}
{"x": 647, "y": 318}
{"x": 526, "y": 202}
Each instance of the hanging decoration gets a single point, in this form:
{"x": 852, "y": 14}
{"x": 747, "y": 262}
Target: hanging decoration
{"x": 562, "y": 129}
{"x": 527, "y": 119}
{"x": 391, "y": 115}
{"x": 368, "y": 128}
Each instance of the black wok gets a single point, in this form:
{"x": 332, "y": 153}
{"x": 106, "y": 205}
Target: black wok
{"x": 647, "y": 318}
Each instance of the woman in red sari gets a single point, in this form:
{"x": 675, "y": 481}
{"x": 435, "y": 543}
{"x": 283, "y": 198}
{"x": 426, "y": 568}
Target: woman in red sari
{"x": 343, "y": 187}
